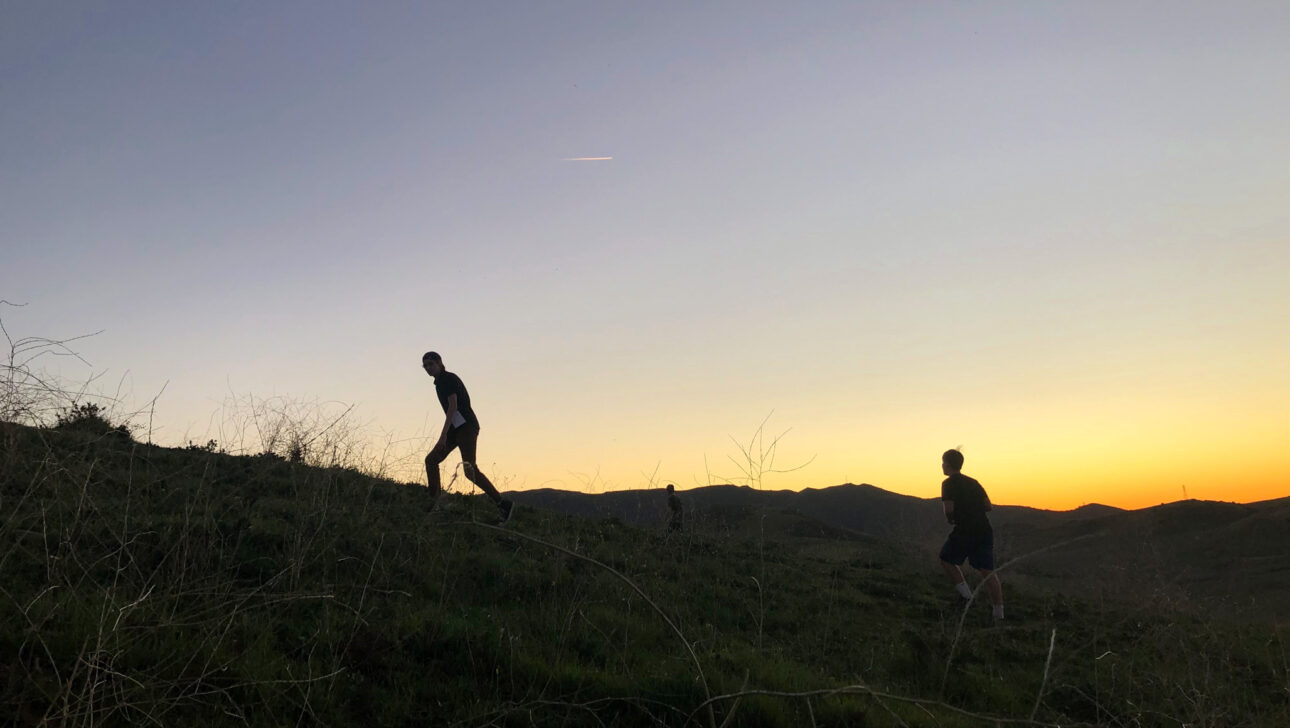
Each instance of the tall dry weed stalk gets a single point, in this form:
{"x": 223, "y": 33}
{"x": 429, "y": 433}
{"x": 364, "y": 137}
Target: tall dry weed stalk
{"x": 756, "y": 459}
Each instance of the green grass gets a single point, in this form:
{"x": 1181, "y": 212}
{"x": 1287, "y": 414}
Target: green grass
{"x": 145, "y": 585}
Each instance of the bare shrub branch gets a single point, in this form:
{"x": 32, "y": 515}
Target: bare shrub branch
{"x": 756, "y": 459}
{"x": 28, "y": 394}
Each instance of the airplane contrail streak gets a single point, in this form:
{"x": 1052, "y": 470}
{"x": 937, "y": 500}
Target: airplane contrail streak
{"x": 587, "y": 159}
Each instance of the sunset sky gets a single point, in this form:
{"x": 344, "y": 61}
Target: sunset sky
{"x": 1056, "y": 235}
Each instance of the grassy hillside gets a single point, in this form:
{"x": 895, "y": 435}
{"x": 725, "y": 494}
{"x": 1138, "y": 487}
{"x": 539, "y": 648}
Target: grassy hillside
{"x": 1213, "y": 558}
{"x": 145, "y": 585}
{"x": 1216, "y": 558}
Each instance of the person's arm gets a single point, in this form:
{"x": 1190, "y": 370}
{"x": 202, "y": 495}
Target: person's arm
{"x": 949, "y": 510}
{"x": 447, "y": 420}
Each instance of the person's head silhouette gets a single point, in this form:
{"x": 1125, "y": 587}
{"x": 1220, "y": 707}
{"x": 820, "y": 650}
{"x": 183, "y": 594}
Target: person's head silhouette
{"x": 951, "y": 462}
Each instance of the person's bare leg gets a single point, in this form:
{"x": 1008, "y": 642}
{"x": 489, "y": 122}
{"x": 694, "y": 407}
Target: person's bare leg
{"x": 956, "y": 578}
{"x": 993, "y": 586}
{"x": 953, "y": 572}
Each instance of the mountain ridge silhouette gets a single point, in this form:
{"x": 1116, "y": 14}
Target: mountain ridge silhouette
{"x": 1212, "y": 555}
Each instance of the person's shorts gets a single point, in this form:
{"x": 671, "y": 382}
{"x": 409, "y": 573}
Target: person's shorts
{"x": 977, "y": 548}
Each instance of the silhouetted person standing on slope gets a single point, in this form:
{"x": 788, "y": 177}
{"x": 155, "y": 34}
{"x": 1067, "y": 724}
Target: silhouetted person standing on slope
{"x": 674, "y": 506}
{"x": 966, "y": 503}
{"x": 460, "y": 430}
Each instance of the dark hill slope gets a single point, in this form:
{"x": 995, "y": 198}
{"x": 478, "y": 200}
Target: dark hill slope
{"x": 1194, "y": 554}
{"x": 1228, "y": 557}
{"x": 863, "y": 508}
{"x": 145, "y": 585}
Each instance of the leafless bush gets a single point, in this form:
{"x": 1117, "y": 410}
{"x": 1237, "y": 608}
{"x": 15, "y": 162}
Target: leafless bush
{"x": 29, "y": 394}
{"x": 756, "y": 459}
{"x": 314, "y": 432}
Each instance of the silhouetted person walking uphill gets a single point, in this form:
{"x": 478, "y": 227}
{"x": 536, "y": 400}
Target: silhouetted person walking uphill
{"x": 460, "y": 430}
{"x": 966, "y": 504}
{"x": 674, "y": 507}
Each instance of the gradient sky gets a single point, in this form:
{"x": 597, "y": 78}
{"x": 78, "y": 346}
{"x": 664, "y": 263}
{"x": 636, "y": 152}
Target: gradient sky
{"x": 1054, "y": 234}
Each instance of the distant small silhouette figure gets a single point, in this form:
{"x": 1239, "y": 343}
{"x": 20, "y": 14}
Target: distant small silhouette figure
{"x": 460, "y": 430}
{"x": 966, "y": 504}
{"x": 674, "y": 506}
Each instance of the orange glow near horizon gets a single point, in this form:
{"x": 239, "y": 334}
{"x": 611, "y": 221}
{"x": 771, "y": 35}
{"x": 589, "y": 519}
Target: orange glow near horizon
{"x": 1134, "y": 476}
{"x": 1129, "y": 488}
{"x": 1057, "y": 454}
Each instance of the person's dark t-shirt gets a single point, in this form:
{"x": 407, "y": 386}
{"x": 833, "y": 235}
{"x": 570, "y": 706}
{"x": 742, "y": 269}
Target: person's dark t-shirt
{"x": 447, "y": 384}
{"x": 970, "y": 503}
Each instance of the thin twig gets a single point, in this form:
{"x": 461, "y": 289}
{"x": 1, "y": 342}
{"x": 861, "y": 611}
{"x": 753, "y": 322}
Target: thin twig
{"x": 1052, "y": 642}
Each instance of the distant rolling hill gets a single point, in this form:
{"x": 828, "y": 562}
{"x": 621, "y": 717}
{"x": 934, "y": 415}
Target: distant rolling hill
{"x": 1228, "y": 556}
{"x": 1199, "y": 554}
{"x": 866, "y": 509}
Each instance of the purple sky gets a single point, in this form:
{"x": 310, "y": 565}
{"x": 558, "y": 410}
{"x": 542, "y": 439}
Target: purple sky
{"x": 1045, "y": 232}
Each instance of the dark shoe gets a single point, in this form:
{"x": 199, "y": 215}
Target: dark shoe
{"x": 504, "y": 511}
